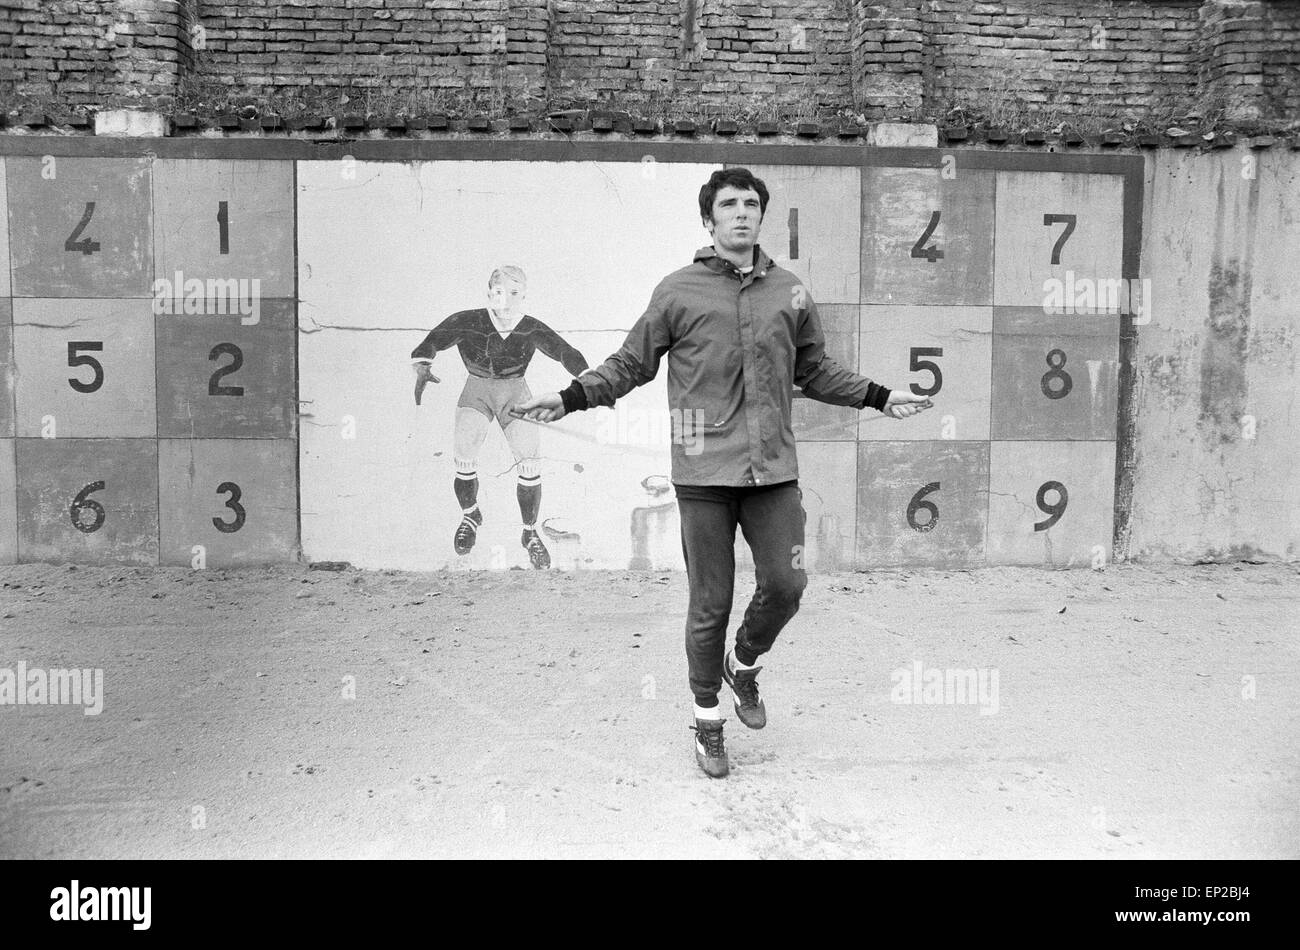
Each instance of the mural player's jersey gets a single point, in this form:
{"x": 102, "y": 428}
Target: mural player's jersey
{"x": 490, "y": 355}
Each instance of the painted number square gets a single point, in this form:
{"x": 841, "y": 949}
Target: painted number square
{"x": 1051, "y": 504}
{"x": 87, "y": 368}
{"x": 927, "y": 235}
{"x": 1056, "y": 229}
{"x": 227, "y": 502}
{"x": 1054, "y": 376}
{"x": 88, "y": 500}
{"x": 940, "y": 352}
{"x": 224, "y": 220}
{"x": 813, "y": 227}
{"x": 79, "y": 227}
{"x": 222, "y": 376}
{"x": 922, "y": 503}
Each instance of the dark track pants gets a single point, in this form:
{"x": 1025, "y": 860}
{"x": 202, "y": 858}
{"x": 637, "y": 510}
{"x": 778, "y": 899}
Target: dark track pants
{"x": 771, "y": 519}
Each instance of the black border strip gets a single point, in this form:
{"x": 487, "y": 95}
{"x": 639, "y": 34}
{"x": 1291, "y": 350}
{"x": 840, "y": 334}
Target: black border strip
{"x": 1126, "y": 410}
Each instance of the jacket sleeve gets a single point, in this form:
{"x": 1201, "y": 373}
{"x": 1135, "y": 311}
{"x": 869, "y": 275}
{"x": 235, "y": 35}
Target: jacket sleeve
{"x": 820, "y": 377}
{"x": 637, "y": 360}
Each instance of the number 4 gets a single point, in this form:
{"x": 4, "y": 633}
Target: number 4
{"x": 931, "y": 253}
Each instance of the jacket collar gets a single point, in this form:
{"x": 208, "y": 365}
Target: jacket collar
{"x": 711, "y": 259}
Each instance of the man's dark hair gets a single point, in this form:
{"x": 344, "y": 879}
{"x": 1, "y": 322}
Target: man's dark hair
{"x": 741, "y": 178}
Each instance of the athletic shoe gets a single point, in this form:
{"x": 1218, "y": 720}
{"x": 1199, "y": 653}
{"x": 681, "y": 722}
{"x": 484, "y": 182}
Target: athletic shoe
{"x": 710, "y": 752}
{"x": 537, "y": 552}
{"x": 467, "y": 532}
{"x": 744, "y": 690}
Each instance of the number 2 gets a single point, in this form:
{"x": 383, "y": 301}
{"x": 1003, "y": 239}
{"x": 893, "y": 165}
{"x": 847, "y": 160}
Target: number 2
{"x": 215, "y": 386}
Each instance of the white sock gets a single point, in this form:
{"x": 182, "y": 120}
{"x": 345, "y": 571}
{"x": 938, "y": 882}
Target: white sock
{"x": 712, "y": 714}
{"x": 737, "y": 665}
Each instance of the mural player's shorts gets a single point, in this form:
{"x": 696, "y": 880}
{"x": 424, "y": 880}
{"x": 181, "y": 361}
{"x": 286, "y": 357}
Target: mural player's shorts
{"x": 493, "y": 397}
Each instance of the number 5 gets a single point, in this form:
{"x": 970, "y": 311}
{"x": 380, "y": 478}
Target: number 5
{"x": 76, "y": 359}
{"x": 918, "y": 364}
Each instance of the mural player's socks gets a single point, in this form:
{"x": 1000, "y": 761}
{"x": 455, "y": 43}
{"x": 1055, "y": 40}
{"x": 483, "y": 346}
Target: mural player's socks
{"x": 710, "y": 749}
{"x": 743, "y": 681}
{"x": 537, "y": 553}
{"x": 467, "y": 531}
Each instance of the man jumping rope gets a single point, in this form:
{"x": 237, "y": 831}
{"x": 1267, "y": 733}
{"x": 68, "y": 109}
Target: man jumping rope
{"x": 496, "y": 344}
{"x": 738, "y": 331}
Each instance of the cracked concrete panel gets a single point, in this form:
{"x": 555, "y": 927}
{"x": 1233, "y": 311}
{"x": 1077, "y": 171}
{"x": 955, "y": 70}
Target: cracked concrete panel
{"x": 828, "y": 477}
{"x": 1054, "y": 377}
{"x": 6, "y": 369}
{"x": 813, "y": 226}
{"x": 225, "y": 220}
{"x": 1218, "y": 364}
{"x": 220, "y": 376}
{"x": 8, "y": 504}
{"x": 88, "y": 501}
{"x": 79, "y": 227}
{"x": 1051, "y": 504}
{"x": 236, "y": 499}
{"x": 943, "y": 352}
{"x": 5, "y": 263}
{"x": 1051, "y": 225}
{"x": 922, "y": 503}
{"x": 927, "y": 239}
{"x": 85, "y": 368}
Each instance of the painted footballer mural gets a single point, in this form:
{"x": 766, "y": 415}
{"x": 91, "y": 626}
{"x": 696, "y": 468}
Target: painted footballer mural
{"x": 496, "y": 344}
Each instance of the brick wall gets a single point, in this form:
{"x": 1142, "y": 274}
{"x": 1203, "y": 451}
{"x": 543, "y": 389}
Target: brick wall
{"x": 90, "y": 52}
{"x": 1093, "y": 58}
{"x": 1253, "y": 56}
{"x": 1079, "y": 59}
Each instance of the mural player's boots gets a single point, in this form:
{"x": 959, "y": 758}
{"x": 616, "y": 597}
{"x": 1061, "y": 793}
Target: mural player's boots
{"x": 537, "y": 552}
{"x": 744, "y": 690}
{"x": 710, "y": 750}
{"x": 467, "y": 532}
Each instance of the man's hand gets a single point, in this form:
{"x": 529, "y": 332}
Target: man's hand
{"x": 902, "y": 404}
{"x": 423, "y": 376}
{"x": 544, "y": 408}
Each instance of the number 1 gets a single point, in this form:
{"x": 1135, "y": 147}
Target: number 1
{"x": 223, "y": 222}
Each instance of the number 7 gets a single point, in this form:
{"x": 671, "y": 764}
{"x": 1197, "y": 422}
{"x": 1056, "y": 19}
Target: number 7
{"x": 1069, "y": 221}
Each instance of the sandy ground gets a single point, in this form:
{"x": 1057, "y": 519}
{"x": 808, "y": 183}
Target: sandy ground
{"x": 1141, "y": 712}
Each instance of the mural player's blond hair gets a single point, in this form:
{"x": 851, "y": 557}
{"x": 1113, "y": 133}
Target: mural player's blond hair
{"x": 508, "y": 271}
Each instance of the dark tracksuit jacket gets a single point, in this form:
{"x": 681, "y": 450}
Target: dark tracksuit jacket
{"x": 736, "y": 345}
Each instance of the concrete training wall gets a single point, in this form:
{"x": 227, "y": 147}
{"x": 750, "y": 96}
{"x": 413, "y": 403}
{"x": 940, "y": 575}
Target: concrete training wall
{"x": 927, "y": 276}
{"x": 201, "y": 426}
